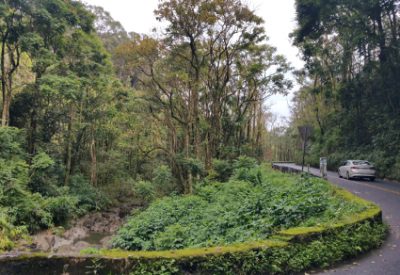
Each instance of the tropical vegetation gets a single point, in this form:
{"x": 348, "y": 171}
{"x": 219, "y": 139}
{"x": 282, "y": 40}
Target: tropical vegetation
{"x": 177, "y": 122}
{"x": 93, "y": 115}
{"x": 254, "y": 204}
{"x": 350, "y": 82}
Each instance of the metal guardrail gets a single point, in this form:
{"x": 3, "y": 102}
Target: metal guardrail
{"x": 285, "y": 169}
{"x": 292, "y": 170}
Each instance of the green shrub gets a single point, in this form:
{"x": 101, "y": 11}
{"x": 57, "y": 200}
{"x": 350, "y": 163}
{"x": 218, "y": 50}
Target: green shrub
{"x": 45, "y": 175}
{"x": 10, "y": 143}
{"x": 293, "y": 209}
{"x": 62, "y": 208}
{"x": 8, "y": 232}
{"x": 194, "y": 165}
{"x": 161, "y": 267}
{"x": 145, "y": 191}
{"x": 13, "y": 173}
{"x": 118, "y": 191}
{"x": 22, "y": 207}
{"x": 163, "y": 180}
{"x": 250, "y": 207}
{"x": 263, "y": 257}
{"x": 30, "y": 195}
{"x": 222, "y": 170}
{"x": 253, "y": 175}
{"x": 245, "y": 162}
{"x": 139, "y": 233}
{"x": 173, "y": 237}
{"x": 31, "y": 213}
{"x": 89, "y": 198}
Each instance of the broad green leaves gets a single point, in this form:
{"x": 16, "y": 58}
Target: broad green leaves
{"x": 236, "y": 211}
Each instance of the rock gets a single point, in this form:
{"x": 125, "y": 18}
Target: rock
{"x": 104, "y": 222}
{"x": 75, "y": 233}
{"x": 72, "y": 248}
{"x": 59, "y": 242}
{"x": 81, "y": 245}
{"x": 44, "y": 241}
{"x": 101, "y": 223}
{"x": 106, "y": 242}
{"x": 65, "y": 249}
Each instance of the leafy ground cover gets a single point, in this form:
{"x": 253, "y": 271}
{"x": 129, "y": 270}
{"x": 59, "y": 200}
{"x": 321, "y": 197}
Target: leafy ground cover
{"x": 252, "y": 205}
{"x": 31, "y": 196}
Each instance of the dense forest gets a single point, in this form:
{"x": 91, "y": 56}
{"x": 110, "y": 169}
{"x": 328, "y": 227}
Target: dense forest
{"x": 350, "y": 93}
{"x": 92, "y": 115}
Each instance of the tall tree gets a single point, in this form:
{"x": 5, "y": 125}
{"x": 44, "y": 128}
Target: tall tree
{"x": 12, "y": 27}
{"x": 351, "y": 49}
{"x": 207, "y": 79}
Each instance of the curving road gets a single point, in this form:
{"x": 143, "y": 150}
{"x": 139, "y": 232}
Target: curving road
{"x": 386, "y": 194}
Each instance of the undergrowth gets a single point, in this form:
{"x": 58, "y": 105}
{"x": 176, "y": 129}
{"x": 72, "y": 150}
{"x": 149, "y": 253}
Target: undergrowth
{"x": 254, "y": 204}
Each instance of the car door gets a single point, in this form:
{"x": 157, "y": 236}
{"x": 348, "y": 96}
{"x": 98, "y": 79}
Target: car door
{"x": 346, "y": 170}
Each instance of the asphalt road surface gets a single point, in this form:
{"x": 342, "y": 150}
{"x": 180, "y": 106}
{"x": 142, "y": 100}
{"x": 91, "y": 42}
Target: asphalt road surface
{"x": 386, "y": 194}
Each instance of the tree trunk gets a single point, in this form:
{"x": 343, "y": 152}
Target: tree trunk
{"x": 5, "y": 105}
{"x": 215, "y": 131}
{"x": 5, "y": 115}
{"x": 208, "y": 157}
{"x": 32, "y": 133}
{"x": 68, "y": 150}
{"x": 194, "y": 112}
{"x": 13, "y": 61}
{"x": 189, "y": 182}
{"x": 93, "y": 157}
{"x": 381, "y": 37}
{"x": 196, "y": 131}
{"x": 260, "y": 127}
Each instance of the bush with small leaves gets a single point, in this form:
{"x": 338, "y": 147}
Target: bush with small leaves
{"x": 144, "y": 191}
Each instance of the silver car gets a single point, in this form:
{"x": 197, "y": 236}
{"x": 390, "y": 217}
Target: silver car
{"x": 356, "y": 169}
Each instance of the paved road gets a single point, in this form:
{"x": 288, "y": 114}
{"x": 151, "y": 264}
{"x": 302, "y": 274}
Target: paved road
{"x": 385, "y": 260}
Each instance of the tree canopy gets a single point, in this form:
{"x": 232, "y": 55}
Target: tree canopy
{"x": 351, "y": 49}
{"x": 93, "y": 115}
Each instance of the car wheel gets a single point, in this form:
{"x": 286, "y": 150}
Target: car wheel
{"x": 372, "y": 179}
{"x": 340, "y": 176}
{"x": 347, "y": 176}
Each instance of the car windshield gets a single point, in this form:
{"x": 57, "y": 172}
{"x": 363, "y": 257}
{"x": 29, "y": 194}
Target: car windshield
{"x": 361, "y": 162}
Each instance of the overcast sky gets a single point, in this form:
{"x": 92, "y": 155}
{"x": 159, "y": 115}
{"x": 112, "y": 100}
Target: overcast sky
{"x": 279, "y": 16}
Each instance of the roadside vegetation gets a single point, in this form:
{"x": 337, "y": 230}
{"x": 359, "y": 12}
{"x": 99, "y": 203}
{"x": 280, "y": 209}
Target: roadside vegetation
{"x": 258, "y": 221}
{"x": 93, "y": 116}
{"x": 254, "y": 204}
{"x": 349, "y": 84}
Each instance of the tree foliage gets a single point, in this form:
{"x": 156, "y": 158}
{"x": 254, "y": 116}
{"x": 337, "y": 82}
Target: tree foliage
{"x": 351, "y": 49}
{"x": 206, "y": 80}
{"x": 88, "y": 108}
